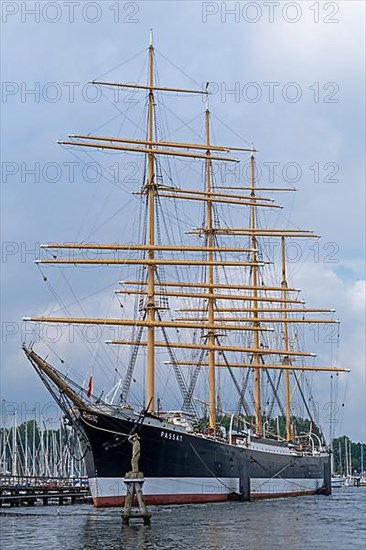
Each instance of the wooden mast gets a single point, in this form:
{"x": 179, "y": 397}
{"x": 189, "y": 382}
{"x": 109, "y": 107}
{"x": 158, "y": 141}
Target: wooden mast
{"x": 150, "y": 190}
{"x": 254, "y": 303}
{"x": 210, "y": 281}
{"x": 286, "y": 345}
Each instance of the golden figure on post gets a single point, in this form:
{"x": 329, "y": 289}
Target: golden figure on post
{"x": 136, "y": 451}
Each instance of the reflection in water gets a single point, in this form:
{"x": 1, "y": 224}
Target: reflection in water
{"x": 336, "y": 522}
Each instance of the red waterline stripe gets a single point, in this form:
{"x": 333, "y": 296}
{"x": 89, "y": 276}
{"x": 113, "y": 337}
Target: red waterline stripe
{"x": 104, "y": 502}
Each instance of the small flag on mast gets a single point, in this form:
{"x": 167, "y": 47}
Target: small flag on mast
{"x": 90, "y": 386}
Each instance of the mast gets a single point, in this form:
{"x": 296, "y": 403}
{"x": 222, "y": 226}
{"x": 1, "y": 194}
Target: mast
{"x": 286, "y": 345}
{"x": 150, "y": 189}
{"x": 47, "y": 451}
{"x": 210, "y": 282}
{"x": 254, "y": 303}
{"x": 26, "y": 471}
{"x": 34, "y": 448}
{"x": 350, "y": 458}
{"x": 361, "y": 458}
{"x": 15, "y": 447}
{"x": 340, "y": 458}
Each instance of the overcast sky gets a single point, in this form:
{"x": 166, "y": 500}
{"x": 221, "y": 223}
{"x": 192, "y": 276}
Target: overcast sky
{"x": 288, "y": 76}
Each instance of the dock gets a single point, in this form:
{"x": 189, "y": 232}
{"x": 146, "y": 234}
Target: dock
{"x": 32, "y": 491}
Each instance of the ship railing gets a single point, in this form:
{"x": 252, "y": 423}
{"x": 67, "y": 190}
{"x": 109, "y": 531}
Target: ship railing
{"x": 314, "y": 447}
{"x": 42, "y": 481}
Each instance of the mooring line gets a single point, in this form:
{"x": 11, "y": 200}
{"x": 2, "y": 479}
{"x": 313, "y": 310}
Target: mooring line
{"x": 212, "y": 473}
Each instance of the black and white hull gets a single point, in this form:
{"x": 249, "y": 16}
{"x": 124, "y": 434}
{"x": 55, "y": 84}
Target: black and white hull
{"x": 183, "y": 467}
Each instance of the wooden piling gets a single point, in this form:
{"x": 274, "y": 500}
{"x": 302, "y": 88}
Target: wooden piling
{"x": 134, "y": 482}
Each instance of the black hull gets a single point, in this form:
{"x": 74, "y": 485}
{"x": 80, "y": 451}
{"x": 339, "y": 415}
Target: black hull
{"x": 181, "y": 467}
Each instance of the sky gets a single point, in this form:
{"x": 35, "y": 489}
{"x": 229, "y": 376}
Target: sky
{"x": 286, "y": 76}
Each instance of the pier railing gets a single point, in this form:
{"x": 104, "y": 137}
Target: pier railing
{"x": 30, "y": 490}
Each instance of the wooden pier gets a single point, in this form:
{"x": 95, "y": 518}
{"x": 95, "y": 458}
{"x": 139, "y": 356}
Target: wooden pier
{"x": 31, "y": 491}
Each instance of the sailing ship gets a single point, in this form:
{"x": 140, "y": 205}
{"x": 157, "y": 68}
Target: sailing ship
{"x": 233, "y": 333}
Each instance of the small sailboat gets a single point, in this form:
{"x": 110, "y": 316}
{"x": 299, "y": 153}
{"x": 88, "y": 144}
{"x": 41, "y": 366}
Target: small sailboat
{"x": 337, "y": 480}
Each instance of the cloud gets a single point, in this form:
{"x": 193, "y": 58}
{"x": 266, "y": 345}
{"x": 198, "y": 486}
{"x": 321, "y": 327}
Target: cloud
{"x": 222, "y": 52}
{"x": 357, "y": 297}
{"x": 316, "y": 48}
{"x": 324, "y": 286}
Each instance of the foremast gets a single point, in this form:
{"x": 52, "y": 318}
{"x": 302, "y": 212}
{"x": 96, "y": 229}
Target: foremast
{"x": 211, "y": 338}
{"x": 151, "y": 192}
{"x": 255, "y": 302}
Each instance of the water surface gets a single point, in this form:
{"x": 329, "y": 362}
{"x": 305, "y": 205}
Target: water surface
{"x": 337, "y": 522}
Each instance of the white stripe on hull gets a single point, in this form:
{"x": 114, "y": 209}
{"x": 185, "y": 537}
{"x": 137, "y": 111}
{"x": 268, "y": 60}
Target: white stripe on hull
{"x": 282, "y": 486}
{"x": 107, "y": 487}
{"x": 202, "y": 489}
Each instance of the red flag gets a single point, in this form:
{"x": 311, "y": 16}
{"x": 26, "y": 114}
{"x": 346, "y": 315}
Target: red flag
{"x": 90, "y": 386}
